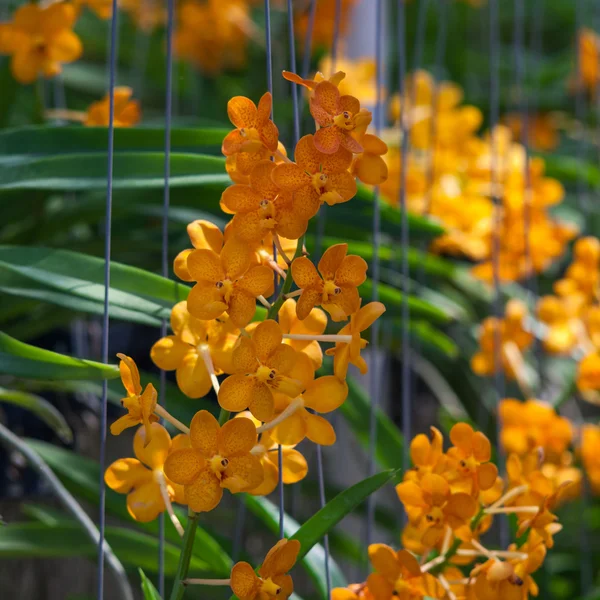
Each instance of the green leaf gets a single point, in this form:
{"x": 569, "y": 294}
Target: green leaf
{"x": 80, "y": 476}
{"x": 23, "y": 360}
{"x": 336, "y": 509}
{"x": 314, "y": 560}
{"x": 132, "y": 170}
{"x": 356, "y": 410}
{"x": 22, "y": 144}
{"x": 148, "y": 589}
{"x": 42, "y": 409}
{"x": 67, "y": 539}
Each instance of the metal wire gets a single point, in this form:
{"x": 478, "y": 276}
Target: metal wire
{"x": 420, "y": 33}
{"x": 579, "y": 117}
{"x": 105, "y": 318}
{"x": 293, "y": 86}
{"x": 336, "y": 34}
{"x": 374, "y": 380}
{"x": 308, "y": 38}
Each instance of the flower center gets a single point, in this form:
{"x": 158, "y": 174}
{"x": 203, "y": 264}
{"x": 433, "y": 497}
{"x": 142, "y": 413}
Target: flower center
{"x": 218, "y": 464}
{"x": 319, "y": 182}
{"x": 225, "y": 287}
{"x": 330, "y": 289}
{"x": 402, "y": 588}
{"x": 468, "y": 465}
{"x": 267, "y": 213}
{"x": 132, "y": 405}
{"x": 269, "y": 587}
{"x": 39, "y": 46}
{"x": 345, "y": 121}
{"x": 265, "y": 374}
{"x": 435, "y": 516}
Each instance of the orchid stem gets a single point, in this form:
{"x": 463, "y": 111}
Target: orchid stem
{"x": 307, "y": 337}
{"x": 185, "y": 556}
{"x": 167, "y": 416}
{"x": 277, "y": 243}
{"x": 495, "y": 553}
{"x": 65, "y": 115}
{"x": 277, "y": 269}
{"x": 207, "y": 582}
{"x": 167, "y": 500}
{"x": 264, "y": 302}
{"x": 294, "y": 294}
{"x": 450, "y": 595}
{"x": 208, "y": 363}
{"x": 282, "y": 156}
{"x": 291, "y": 408}
{"x": 512, "y": 510}
{"x": 521, "y": 489}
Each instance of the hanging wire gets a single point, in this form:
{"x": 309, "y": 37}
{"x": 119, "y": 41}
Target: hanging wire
{"x": 335, "y": 45}
{"x": 165, "y": 254}
{"x": 105, "y": 319}
{"x": 420, "y": 34}
{"x": 374, "y": 379}
{"x": 308, "y": 38}
{"x": 293, "y": 86}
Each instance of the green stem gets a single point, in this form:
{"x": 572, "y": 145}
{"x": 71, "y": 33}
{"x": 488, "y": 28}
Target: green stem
{"x": 224, "y": 416}
{"x": 185, "y": 557}
{"x": 287, "y": 284}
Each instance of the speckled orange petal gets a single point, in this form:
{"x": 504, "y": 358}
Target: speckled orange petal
{"x": 236, "y": 392}
{"x": 331, "y": 260}
{"x": 154, "y": 454}
{"x": 370, "y": 169}
{"x": 289, "y": 176}
{"x": 309, "y": 298}
{"x": 244, "y": 582}
{"x": 325, "y": 394}
{"x": 292, "y": 431}
{"x": 320, "y": 115}
{"x": 384, "y": 561}
{"x": 243, "y": 473}
{"x": 349, "y": 103}
{"x": 352, "y": 271}
{"x": 168, "y": 352}
{"x": 270, "y": 481}
{"x": 335, "y": 163}
{"x": 130, "y": 376}
{"x": 204, "y": 432}
{"x": 319, "y": 430}
{"x": 304, "y": 273}
{"x": 260, "y": 180}
{"x": 328, "y": 139}
{"x": 265, "y": 106}
{"x": 283, "y": 359}
{"x": 244, "y": 356}
{"x": 262, "y": 405}
{"x": 180, "y": 265}
{"x": 350, "y": 143}
{"x": 205, "y": 302}
{"x": 368, "y": 314}
{"x": 290, "y": 224}
{"x": 256, "y": 281}
{"x": 205, "y": 265}
{"x": 269, "y": 135}
{"x": 327, "y": 96}
{"x": 232, "y": 143}
{"x": 236, "y": 258}
{"x": 267, "y": 338}
{"x": 145, "y": 503}
{"x": 204, "y": 493}
{"x": 344, "y": 184}
{"x": 242, "y": 308}
{"x": 242, "y": 112}
{"x": 307, "y": 156}
{"x": 240, "y": 198}
{"x": 125, "y": 474}
{"x": 236, "y": 436}
{"x": 306, "y": 202}
{"x": 192, "y": 377}
{"x": 280, "y": 558}
{"x": 183, "y": 466}
{"x": 249, "y": 227}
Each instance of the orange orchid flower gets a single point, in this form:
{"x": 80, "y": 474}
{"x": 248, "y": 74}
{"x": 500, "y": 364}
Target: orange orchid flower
{"x": 338, "y": 117}
{"x": 470, "y": 455}
{"x": 140, "y": 406}
{"x": 219, "y": 457}
{"x": 261, "y": 365}
{"x": 323, "y": 395}
{"x": 195, "y": 346}
{"x": 398, "y": 575}
{"x": 203, "y": 234}
{"x": 355, "y": 591}
{"x": 226, "y": 281}
{"x": 102, "y": 8}
{"x": 588, "y": 376}
{"x": 314, "y": 324}
{"x": 261, "y": 207}
{"x": 316, "y": 177}
{"x": 497, "y": 580}
{"x": 40, "y": 39}
{"x": 427, "y": 456}
{"x": 141, "y": 478}
{"x": 344, "y": 353}
{"x": 254, "y": 128}
{"x": 335, "y": 287}
{"x": 431, "y": 507}
{"x": 126, "y": 111}
{"x": 272, "y": 580}
{"x": 369, "y": 167}
{"x": 590, "y": 454}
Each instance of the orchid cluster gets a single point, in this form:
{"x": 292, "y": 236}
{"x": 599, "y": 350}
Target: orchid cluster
{"x": 451, "y": 499}
{"x": 260, "y": 361}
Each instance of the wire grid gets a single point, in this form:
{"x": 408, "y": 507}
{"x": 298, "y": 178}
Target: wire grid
{"x": 523, "y": 108}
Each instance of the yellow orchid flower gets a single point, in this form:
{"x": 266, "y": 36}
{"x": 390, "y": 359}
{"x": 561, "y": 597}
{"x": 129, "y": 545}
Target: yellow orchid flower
{"x": 126, "y": 111}
{"x": 219, "y": 457}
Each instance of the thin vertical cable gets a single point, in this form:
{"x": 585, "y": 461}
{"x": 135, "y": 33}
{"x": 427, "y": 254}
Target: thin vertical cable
{"x": 420, "y": 34}
{"x": 165, "y": 251}
{"x": 268, "y": 47}
{"x": 293, "y": 86}
{"x": 404, "y": 240}
{"x": 336, "y": 34}
{"x": 374, "y": 389}
{"x": 105, "y": 320}
{"x": 308, "y": 38}
{"x": 579, "y": 115}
